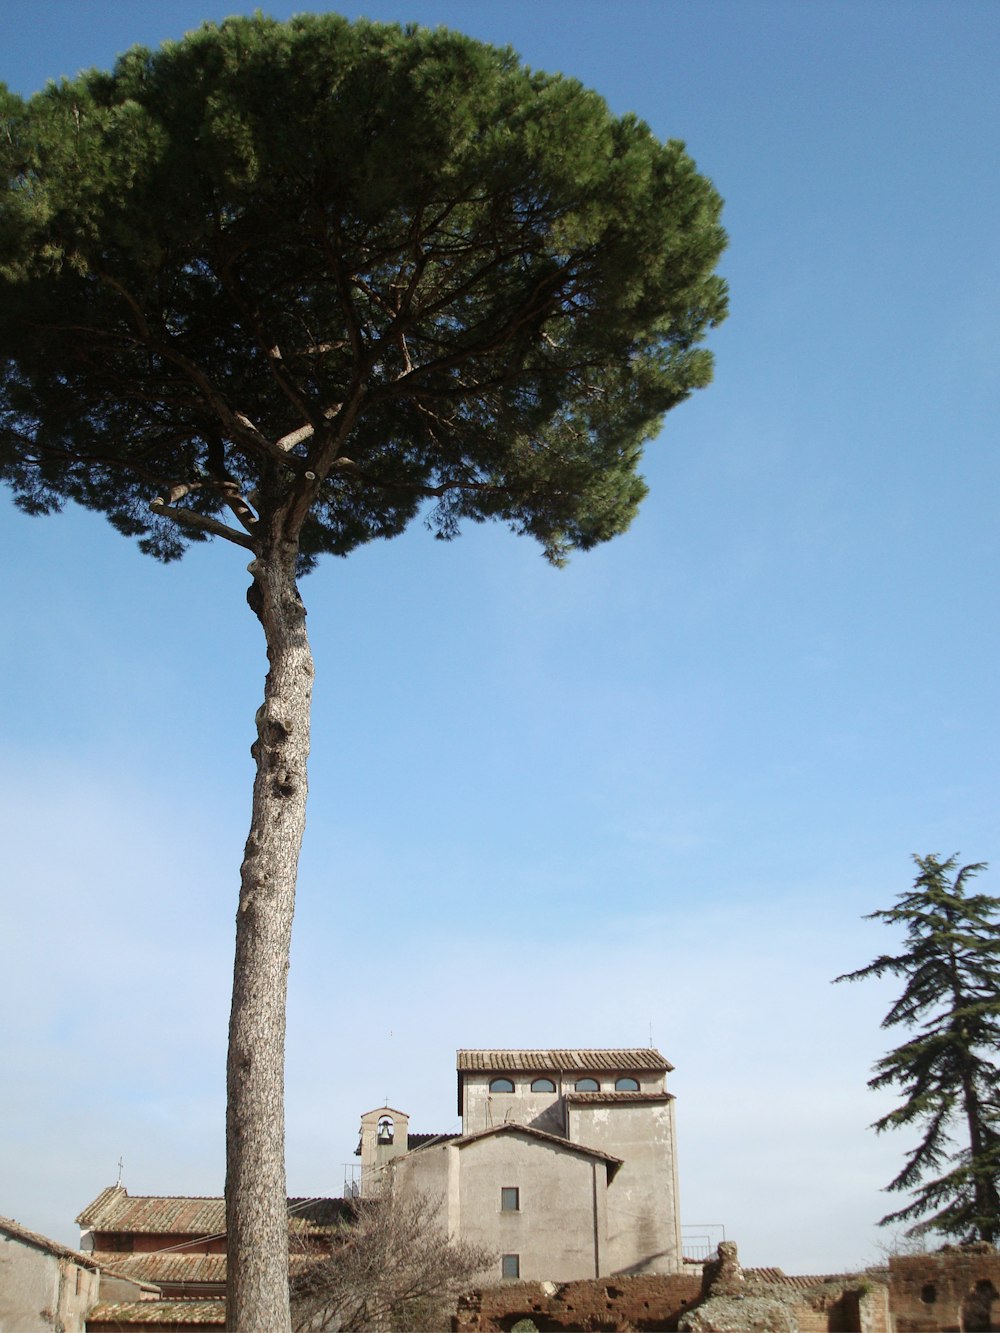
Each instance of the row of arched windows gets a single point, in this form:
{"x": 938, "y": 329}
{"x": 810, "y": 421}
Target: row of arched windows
{"x": 581, "y": 1085}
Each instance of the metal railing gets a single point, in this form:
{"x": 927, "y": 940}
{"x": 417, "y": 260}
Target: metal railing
{"x": 700, "y": 1240}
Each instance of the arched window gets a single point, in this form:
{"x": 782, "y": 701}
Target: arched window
{"x": 501, "y": 1085}
{"x": 587, "y": 1085}
{"x": 385, "y": 1130}
{"x": 978, "y": 1306}
{"x": 543, "y": 1085}
{"x": 626, "y": 1085}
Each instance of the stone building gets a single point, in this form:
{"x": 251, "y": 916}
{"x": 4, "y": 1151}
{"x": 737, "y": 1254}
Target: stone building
{"x": 179, "y": 1242}
{"x": 565, "y": 1168}
{"x": 46, "y": 1286}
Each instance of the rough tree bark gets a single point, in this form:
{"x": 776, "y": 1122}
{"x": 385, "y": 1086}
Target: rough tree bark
{"x": 256, "y": 1210}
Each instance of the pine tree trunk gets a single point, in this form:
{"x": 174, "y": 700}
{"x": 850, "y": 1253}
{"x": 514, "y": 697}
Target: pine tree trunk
{"x": 256, "y": 1201}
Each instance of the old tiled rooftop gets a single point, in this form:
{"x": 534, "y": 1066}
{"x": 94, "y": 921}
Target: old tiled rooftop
{"x": 114, "y": 1210}
{"x": 135, "y": 1314}
{"x": 607, "y": 1097}
{"x": 167, "y": 1266}
{"x": 170, "y": 1266}
{"x": 800, "y": 1282}
{"x": 40, "y": 1242}
{"x": 573, "y": 1061}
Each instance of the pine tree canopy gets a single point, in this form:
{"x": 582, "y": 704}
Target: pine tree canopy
{"x": 948, "y": 1071}
{"x": 291, "y": 284}
{"x": 287, "y": 281}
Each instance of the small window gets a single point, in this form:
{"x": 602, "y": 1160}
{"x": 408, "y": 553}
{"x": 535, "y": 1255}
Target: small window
{"x": 626, "y": 1085}
{"x": 928, "y": 1293}
{"x": 510, "y": 1199}
{"x": 543, "y": 1085}
{"x": 510, "y": 1265}
{"x": 501, "y": 1085}
{"x": 587, "y": 1085}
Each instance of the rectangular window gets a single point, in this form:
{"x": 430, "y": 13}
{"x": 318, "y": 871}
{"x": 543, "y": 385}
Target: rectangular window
{"x": 510, "y": 1199}
{"x": 510, "y": 1265}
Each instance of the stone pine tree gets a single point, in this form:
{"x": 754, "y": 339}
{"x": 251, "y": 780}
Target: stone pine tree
{"x": 293, "y": 285}
{"x": 948, "y": 1070}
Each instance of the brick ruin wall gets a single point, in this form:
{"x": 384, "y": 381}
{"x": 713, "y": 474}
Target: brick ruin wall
{"x": 613, "y": 1303}
{"x": 722, "y": 1298}
{"x": 953, "y": 1290}
{"x": 645, "y": 1303}
{"x": 956, "y": 1288}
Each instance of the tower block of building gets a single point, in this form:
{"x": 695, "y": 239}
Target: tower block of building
{"x": 566, "y": 1165}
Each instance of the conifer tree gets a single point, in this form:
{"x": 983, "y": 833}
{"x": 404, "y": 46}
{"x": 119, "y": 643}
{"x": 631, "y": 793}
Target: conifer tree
{"x": 291, "y": 285}
{"x": 948, "y": 1071}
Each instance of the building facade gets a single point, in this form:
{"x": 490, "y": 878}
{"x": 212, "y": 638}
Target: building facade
{"x": 46, "y": 1286}
{"x": 178, "y": 1243}
{"x": 565, "y": 1168}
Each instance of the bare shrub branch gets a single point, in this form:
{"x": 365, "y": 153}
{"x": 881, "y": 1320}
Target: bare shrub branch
{"x": 392, "y": 1267}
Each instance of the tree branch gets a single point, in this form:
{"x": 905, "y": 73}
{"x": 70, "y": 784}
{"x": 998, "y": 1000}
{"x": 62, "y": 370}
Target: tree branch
{"x": 201, "y": 523}
{"x": 237, "y": 425}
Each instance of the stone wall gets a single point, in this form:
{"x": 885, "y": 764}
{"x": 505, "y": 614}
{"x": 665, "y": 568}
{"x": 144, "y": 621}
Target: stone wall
{"x": 766, "y": 1301}
{"x": 43, "y": 1285}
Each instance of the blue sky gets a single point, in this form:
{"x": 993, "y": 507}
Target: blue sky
{"x": 650, "y": 794}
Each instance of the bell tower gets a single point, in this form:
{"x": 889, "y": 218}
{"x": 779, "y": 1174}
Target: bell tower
{"x": 384, "y": 1135}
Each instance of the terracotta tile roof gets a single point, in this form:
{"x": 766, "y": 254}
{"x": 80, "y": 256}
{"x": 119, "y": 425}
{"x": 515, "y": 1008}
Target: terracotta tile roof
{"x": 574, "y": 1061}
{"x": 421, "y": 1140}
{"x": 511, "y": 1127}
{"x": 167, "y": 1266}
{"x": 128, "y": 1314}
{"x": 613, "y": 1097}
{"x": 114, "y": 1210}
{"x": 17, "y": 1232}
{"x": 160, "y": 1266}
{"x": 778, "y": 1278}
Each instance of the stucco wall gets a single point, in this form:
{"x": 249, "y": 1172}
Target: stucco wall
{"x": 40, "y": 1292}
{"x": 643, "y": 1212}
{"x": 560, "y": 1229}
{"x": 482, "y": 1109}
{"x": 557, "y": 1231}
{"x": 425, "y": 1172}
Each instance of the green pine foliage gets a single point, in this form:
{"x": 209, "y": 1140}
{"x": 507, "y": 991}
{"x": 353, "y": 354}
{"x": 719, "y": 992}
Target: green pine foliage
{"x": 293, "y": 285}
{"x": 312, "y": 275}
{"x": 948, "y": 1070}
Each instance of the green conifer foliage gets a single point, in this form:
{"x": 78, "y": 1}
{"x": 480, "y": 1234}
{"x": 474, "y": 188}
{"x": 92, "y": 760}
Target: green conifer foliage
{"x": 292, "y": 285}
{"x": 335, "y": 269}
{"x": 948, "y": 1071}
